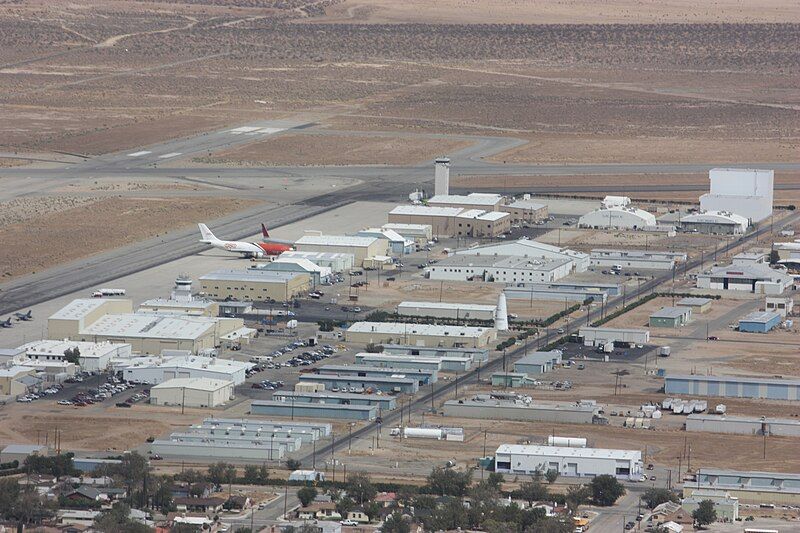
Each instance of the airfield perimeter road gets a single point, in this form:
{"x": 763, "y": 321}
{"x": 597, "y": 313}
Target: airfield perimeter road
{"x": 373, "y": 183}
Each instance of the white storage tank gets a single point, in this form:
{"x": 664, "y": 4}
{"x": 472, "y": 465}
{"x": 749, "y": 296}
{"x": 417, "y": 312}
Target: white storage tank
{"x": 656, "y": 414}
{"x": 423, "y": 433}
{"x": 720, "y": 409}
{"x": 667, "y": 403}
{"x": 566, "y": 442}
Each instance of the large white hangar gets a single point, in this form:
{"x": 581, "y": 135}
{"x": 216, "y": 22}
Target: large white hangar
{"x": 618, "y": 216}
{"x": 715, "y": 222}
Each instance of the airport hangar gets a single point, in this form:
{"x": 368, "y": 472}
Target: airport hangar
{"x": 569, "y": 462}
{"x": 255, "y": 285}
{"x": 192, "y": 392}
{"x": 457, "y": 311}
{"x": 733, "y": 387}
{"x": 427, "y": 335}
{"x": 359, "y": 247}
{"x": 500, "y": 269}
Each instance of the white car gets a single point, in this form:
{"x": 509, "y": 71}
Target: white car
{"x": 24, "y": 399}
{"x": 349, "y": 522}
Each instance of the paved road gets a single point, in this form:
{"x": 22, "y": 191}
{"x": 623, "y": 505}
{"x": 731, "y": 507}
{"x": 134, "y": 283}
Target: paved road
{"x": 267, "y": 516}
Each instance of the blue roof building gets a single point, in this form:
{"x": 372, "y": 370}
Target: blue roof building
{"x": 759, "y": 322}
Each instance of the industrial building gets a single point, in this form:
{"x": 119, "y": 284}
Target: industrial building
{"x": 359, "y": 247}
{"x": 317, "y": 275}
{"x": 456, "y": 311}
{"x": 527, "y": 248}
{"x": 181, "y": 302}
{"x": 743, "y": 425}
{"x": 313, "y": 410}
{"x": 422, "y": 375}
{"x": 616, "y": 212}
{"x": 569, "y": 462}
{"x": 447, "y": 364}
{"x": 784, "y": 306}
{"x": 697, "y": 305}
{"x": 555, "y": 292}
{"x": 602, "y": 335}
{"x": 307, "y": 431}
{"x": 725, "y": 505}
{"x": 421, "y": 234}
{"x": 746, "y": 192}
{"x": 210, "y": 447}
{"x": 16, "y": 380}
{"x": 759, "y": 322}
{"x": 526, "y": 210}
{"x": 749, "y": 487}
{"x": 396, "y": 243}
{"x": 511, "y": 380}
{"x": 490, "y": 409}
{"x": 475, "y": 200}
{"x": 336, "y": 262}
{"x": 255, "y": 285}
{"x": 733, "y": 387}
{"x": 639, "y": 259}
{"x": 20, "y": 452}
{"x": 670, "y": 317}
{"x": 756, "y": 277}
{"x": 478, "y": 355}
{"x": 428, "y": 335}
{"x": 715, "y": 223}
{"x": 335, "y": 382}
{"x": 478, "y": 223}
{"x": 442, "y": 220}
{"x": 155, "y": 370}
{"x": 94, "y": 356}
{"x": 112, "y": 320}
{"x": 382, "y": 401}
{"x": 192, "y": 392}
{"x": 500, "y": 269}
{"x": 538, "y": 362}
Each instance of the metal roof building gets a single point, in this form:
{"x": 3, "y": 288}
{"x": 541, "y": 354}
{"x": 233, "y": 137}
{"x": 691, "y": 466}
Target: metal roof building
{"x": 528, "y": 248}
{"x": 746, "y": 192}
{"x": 359, "y": 247}
{"x": 445, "y": 363}
{"x": 743, "y": 425}
{"x": 715, "y": 222}
{"x": 538, "y": 362}
{"x": 93, "y": 355}
{"x": 423, "y": 376}
{"x": 362, "y": 383}
{"x": 733, "y": 387}
{"x": 568, "y": 413}
{"x": 617, "y": 216}
{"x": 430, "y": 335}
{"x": 313, "y": 410}
{"x": 155, "y": 370}
{"x": 670, "y": 317}
{"x": 745, "y": 276}
{"x": 697, "y": 305}
{"x": 750, "y": 486}
{"x": 447, "y": 310}
{"x": 760, "y": 321}
{"x": 501, "y": 269}
{"x": 337, "y": 262}
{"x": 255, "y": 285}
{"x": 306, "y": 431}
{"x": 569, "y": 462}
{"x": 192, "y": 392}
{"x": 490, "y": 202}
{"x": 381, "y": 401}
{"x": 643, "y": 259}
{"x": 478, "y": 355}
{"x": 602, "y": 335}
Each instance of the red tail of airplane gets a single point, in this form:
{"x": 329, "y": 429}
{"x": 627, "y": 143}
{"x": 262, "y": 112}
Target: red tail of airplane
{"x": 264, "y": 231}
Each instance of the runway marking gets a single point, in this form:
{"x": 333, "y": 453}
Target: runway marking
{"x": 171, "y": 154}
{"x": 266, "y": 131}
{"x": 137, "y": 154}
{"x": 243, "y": 129}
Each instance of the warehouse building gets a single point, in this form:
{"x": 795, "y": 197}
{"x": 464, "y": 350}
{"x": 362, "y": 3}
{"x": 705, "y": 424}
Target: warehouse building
{"x": 530, "y": 249}
{"x": 444, "y": 363}
{"x": 715, "y": 223}
{"x": 748, "y": 272}
{"x": 733, "y": 387}
{"x": 181, "y": 302}
{"x": 307, "y": 432}
{"x": 155, "y": 370}
{"x": 336, "y": 262}
{"x": 478, "y": 355}
{"x": 317, "y": 275}
{"x": 255, "y": 285}
{"x": 490, "y": 409}
{"x": 554, "y": 292}
{"x": 602, "y": 335}
{"x": 94, "y": 356}
{"x": 421, "y": 234}
{"x": 640, "y": 259}
{"x": 697, "y": 305}
{"x": 569, "y": 462}
{"x": 670, "y": 317}
{"x": 216, "y": 449}
{"x": 526, "y": 210}
{"x": 784, "y": 306}
{"x": 359, "y": 247}
{"x": 512, "y": 380}
{"x": 70, "y": 320}
{"x": 381, "y": 401}
{"x": 746, "y": 192}
{"x": 777, "y": 488}
{"x": 618, "y": 217}
{"x": 192, "y": 392}
{"x": 396, "y": 243}
{"x": 478, "y": 223}
{"x": 760, "y": 322}
{"x": 313, "y": 410}
{"x": 335, "y": 382}
{"x": 423, "y": 376}
{"x": 743, "y": 425}
{"x": 475, "y": 200}
{"x": 442, "y": 220}
{"x": 538, "y": 362}
{"x": 428, "y": 335}
{"x": 725, "y": 505}
{"x": 499, "y": 269}
{"x": 457, "y": 311}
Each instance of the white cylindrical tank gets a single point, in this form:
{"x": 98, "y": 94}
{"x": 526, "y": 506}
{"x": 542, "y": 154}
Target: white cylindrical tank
{"x": 501, "y": 320}
{"x": 566, "y": 442}
{"x": 720, "y": 409}
{"x": 423, "y": 433}
{"x": 666, "y": 403}
{"x": 656, "y": 414}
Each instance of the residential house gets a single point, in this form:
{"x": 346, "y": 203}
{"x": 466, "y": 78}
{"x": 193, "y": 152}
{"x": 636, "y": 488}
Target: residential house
{"x": 212, "y": 504}
{"x": 386, "y": 499}
{"x": 238, "y": 502}
{"x": 358, "y": 515}
{"x": 671, "y": 512}
{"x": 319, "y": 511}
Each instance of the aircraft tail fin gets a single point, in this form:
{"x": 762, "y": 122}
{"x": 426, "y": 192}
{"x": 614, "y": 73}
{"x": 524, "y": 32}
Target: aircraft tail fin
{"x": 206, "y": 233}
{"x": 264, "y": 231}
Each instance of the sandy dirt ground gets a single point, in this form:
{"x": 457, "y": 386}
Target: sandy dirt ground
{"x": 557, "y": 12}
{"x": 113, "y": 222}
{"x": 335, "y": 150}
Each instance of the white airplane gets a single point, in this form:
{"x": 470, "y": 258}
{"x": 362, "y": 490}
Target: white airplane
{"x": 247, "y": 249}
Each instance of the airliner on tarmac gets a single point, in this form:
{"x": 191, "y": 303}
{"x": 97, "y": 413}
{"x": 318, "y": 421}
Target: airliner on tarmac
{"x": 255, "y": 250}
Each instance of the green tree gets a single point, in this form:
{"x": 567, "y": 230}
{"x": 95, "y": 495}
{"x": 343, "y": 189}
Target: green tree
{"x": 654, "y": 497}
{"x": 576, "y": 496}
{"x": 71, "y": 355}
{"x": 293, "y": 464}
{"x": 551, "y": 525}
{"x": 448, "y": 482}
{"x": 218, "y": 473}
{"x": 359, "y": 487}
{"x": 774, "y": 257}
{"x": 452, "y": 515}
{"x": 606, "y": 489}
{"x": 345, "y": 505}
{"x": 396, "y": 523}
{"x": 551, "y": 475}
{"x": 184, "y": 528}
{"x": 495, "y": 479}
{"x": 117, "y": 520}
{"x": 243, "y": 529}
{"x": 372, "y": 509}
{"x": 531, "y": 491}
{"x": 306, "y": 495}
{"x": 255, "y": 475}
{"x": 705, "y": 513}
{"x": 162, "y": 494}
{"x": 9, "y": 492}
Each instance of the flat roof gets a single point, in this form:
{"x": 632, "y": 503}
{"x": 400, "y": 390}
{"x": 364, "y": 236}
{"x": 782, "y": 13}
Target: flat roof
{"x": 761, "y": 317}
{"x": 386, "y": 233}
{"x": 168, "y": 302}
{"x": 400, "y": 226}
{"x": 753, "y": 419}
{"x": 535, "y": 246}
{"x": 87, "y": 349}
{"x": 539, "y": 358}
{"x": 472, "y": 199}
{"x": 568, "y": 407}
{"x": 374, "y": 379}
{"x": 80, "y": 307}
{"x": 14, "y": 371}
{"x": 410, "y": 347}
{"x": 526, "y": 263}
{"x": 251, "y": 275}
{"x": 195, "y": 362}
{"x": 404, "y": 328}
{"x": 670, "y": 312}
{"x": 471, "y": 213}
{"x": 493, "y": 215}
{"x": 757, "y": 271}
{"x": 448, "y": 305}
{"x": 338, "y": 395}
{"x": 426, "y": 210}
{"x": 333, "y": 369}
{"x": 23, "y": 448}
{"x": 694, "y": 302}
{"x": 749, "y": 473}
{"x": 526, "y": 204}
{"x": 149, "y": 325}
{"x": 583, "y": 453}
{"x": 613, "y": 330}
{"x": 610, "y": 252}
{"x": 310, "y": 405}
{"x": 735, "y": 379}
{"x": 316, "y": 255}
{"x": 201, "y": 384}
{"x": 337, "y": 240}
